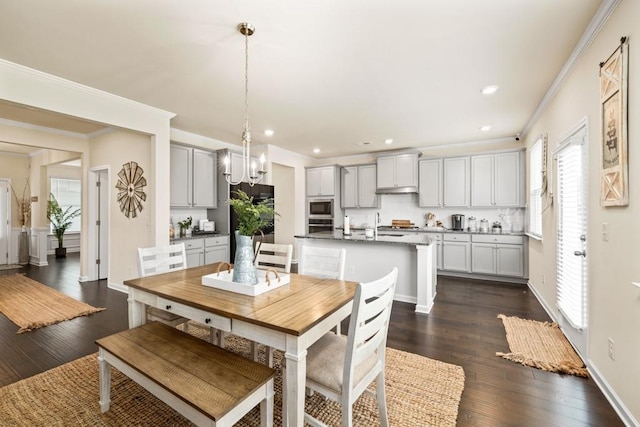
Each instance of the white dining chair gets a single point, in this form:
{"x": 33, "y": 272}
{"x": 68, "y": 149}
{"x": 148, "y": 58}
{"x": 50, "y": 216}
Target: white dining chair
{"x": 163, "y": 259}
{"x": 322, "y": 262}
{"x": 269, "y": 256}
{"x": 273, "y": 256}
{"x": 341, "y": 368}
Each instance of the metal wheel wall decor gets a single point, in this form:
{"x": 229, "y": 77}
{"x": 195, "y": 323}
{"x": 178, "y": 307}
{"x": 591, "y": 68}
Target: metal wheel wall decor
{"x": 130, "y": 189}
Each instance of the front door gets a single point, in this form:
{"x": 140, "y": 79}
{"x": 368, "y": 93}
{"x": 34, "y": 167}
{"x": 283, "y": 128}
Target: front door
{"x": 572, "y": 254}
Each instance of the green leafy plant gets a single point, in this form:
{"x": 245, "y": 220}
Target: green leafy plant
{"x": 251, "y": 217}
{"x": 185, "y": 223}
{"x": 60, "y": 219}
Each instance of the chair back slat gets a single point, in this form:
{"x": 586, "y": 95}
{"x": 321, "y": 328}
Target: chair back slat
{"x": 369, "y": 323}
{"x": 161, "y": 259}
{"x": 274, "y": 256}
{"x": 322, "y": 262}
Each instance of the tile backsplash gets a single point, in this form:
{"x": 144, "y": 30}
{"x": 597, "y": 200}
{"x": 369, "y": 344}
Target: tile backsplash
{"x": 405, "y": 206}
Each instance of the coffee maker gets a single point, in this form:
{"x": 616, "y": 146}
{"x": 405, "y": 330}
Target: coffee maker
{"x": 457, "y": 222}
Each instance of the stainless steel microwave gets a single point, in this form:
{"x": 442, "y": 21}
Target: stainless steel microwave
{"x": 320, "y": 208}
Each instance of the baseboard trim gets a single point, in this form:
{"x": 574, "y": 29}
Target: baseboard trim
{"x": 542, "y": 302}
{"x": 622, "y": 411}
{"x": 488, "y": 277}
{"x": 34, "y": 261}
{"x": 83, "y": 279}
{"x": 118, "y": 287}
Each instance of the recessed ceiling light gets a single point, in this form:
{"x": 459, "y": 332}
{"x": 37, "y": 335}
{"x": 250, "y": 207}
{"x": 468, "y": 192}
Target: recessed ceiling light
{"x": 489, "y": 90}
{"x": 316, "y": 150}
{"x": 388, "y": 141}
{"x": 485, "y": 128}
{"x": 269, "y": 132}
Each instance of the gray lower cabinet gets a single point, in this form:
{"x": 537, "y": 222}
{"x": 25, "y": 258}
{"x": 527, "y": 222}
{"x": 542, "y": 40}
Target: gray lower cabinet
{"x": 195, "y": 252}
{"x": 456, "y": 252}
{"x": 497, "y": 255}
{"x": 216, "y": 249}
{"x": 207, "y": 250}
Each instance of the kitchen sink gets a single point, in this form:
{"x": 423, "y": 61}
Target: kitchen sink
{"x": 390, "y": 235}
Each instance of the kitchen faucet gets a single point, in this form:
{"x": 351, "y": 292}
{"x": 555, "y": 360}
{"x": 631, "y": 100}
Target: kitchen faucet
{"x": 376, "y": 222}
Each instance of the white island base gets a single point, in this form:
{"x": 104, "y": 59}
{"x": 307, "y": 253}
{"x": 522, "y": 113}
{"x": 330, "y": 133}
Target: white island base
{"x": 369, "y": 260}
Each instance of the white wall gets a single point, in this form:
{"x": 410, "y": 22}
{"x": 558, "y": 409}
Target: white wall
{"x": 114, "y": 149}
{"x": 614, "y": 304}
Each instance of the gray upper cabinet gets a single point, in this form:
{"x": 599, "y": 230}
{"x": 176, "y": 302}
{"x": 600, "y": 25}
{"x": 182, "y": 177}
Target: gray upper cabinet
{"x": 430, "y": 188}
{"x": 321, "y": 181}
{"x": 456, "y": 181}
{"x": 497, "y": 179}
{"x": 204, "y": 179}
{"x": 180, "y": 179}
{"x": 398, "y": 171}
{"x": 193, "y": 177}
{"x": 359, "y": 187}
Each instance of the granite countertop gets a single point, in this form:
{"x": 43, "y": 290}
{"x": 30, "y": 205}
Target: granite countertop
{"x": 198, "y": 236}
{"x": 387, "y": 236}
{"x": 438, "y": 230}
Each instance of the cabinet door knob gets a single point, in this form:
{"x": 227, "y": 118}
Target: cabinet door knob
{"x": 168, "y": 306}
{"x": 207, "y": 320}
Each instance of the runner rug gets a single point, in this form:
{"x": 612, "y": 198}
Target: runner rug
{"x": 32, "y": 305}
{"x": 420, "y": 392}
{"x": 541, "y": 345}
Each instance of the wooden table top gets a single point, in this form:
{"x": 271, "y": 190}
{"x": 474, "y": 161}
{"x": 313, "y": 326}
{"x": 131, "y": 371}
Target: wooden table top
{"x": 293, "y": 308}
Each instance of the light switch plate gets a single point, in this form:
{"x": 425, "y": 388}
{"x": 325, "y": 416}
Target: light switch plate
{"x": 605, "y": 232}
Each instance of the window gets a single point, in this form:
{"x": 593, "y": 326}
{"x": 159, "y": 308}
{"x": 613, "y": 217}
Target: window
{"x": 535, "y": 190}
{"x": 67, "y": 192}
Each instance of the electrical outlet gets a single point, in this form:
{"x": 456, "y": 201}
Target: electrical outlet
{"x": 605, "y": 232}
{"x": 612, "y": 349}
{"x": 352, "y": 269}
{"x": 543, "y": 279}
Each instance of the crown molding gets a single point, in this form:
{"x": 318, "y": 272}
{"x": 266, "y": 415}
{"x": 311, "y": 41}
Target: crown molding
{"x": 42, "y": 128}
{"x": 59, "y": 81}
{"x": 590, "y": 33}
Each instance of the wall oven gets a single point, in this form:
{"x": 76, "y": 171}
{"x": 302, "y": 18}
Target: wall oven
{"x": 319, "y": 225}
{"x": 319, "y": 215}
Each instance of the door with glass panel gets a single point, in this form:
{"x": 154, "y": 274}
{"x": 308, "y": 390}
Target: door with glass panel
{"x": 572, "y": 255}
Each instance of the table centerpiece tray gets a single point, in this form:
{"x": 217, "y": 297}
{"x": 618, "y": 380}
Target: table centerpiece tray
{"x": 268, "y": 280}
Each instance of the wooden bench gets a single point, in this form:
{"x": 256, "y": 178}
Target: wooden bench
{"x": 207, "y": 384}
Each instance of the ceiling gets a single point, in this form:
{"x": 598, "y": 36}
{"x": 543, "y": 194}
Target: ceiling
{"x": 338, "y": 75}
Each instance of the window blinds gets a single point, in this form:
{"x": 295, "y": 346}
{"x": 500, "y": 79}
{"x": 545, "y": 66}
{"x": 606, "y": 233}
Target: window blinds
{"x": 572, "y": 222}
{"x": 535, "y": 189}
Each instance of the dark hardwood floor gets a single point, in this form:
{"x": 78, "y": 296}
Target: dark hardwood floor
{"x": 462, "y": 329}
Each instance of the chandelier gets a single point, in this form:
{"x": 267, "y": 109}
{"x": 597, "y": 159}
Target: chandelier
{"x": 250, "y": 172}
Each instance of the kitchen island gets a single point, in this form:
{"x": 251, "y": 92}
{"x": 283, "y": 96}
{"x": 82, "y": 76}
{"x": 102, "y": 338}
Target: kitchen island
{"x": 369, "y": 258}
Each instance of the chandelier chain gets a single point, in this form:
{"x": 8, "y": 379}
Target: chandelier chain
{"x": 246, "y": 80}
{"x": 250, "y": 170}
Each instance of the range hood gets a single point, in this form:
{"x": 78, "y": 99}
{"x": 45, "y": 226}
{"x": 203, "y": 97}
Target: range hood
{"x": 397, "y": 190}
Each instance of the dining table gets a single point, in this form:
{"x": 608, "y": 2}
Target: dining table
{"x": 289, "y": 318}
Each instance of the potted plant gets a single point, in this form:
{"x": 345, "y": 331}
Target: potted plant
{"x": 60, "y": 221}
{"x": 185, "y": 227}
{"x": 252, "y": 217}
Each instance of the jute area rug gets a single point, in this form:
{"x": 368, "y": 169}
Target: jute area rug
{"x": 420, "y": 392}
{"x": 32, "y": 305}
{"x": 541, "y": 345}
